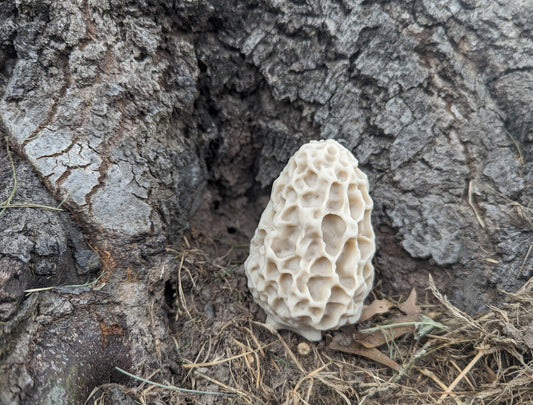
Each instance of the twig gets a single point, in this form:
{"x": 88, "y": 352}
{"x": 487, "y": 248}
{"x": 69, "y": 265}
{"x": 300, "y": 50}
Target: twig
{"x": 289, "y": 351}
{"x": 521, "y": 269}
{"x": 456, "y": 313}
{"x": 7, "y": 203}
{"x": 30, "y": 205}
{"x": 13, "y": 170}
{"x": 213, "y": 363}
{"x": 456, "y": 366}
{"x": 528, "y": 285}
{"x": 463, "y": 373}
{"x": 437, "y": 380}
{"x": 308, "y": 375}
{"x": 471, "y": 203}
{"x": 171, "y": 387}
{"x": 407, "y": 366}
{"x": 517, "y": 145}
{"x": 425, "y": 321}
{"x": 57, "y": 287}
{"x": 513, "y": 139}
{"x": 221, "y": 384}
{"x": 181, "y": 294}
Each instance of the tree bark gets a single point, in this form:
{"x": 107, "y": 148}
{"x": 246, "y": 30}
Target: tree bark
{"x": 130, "y": 112}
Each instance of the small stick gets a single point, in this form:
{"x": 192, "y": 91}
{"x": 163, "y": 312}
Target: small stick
{"x": 521, "y": 269}
{"x": 526, "y": 287}
{"x": 221, "y": 384}
{"x": 213, "y": 363}
{"x": 308, "y": 375}
{"x": 431, "y": 374}
{"x": 472, "y": 363}
{"x": 289, "y": 351}
{"x": 14, "y": 171}
{"x": 171, "y": 387}
{"x": 456, "y": 366}
{"x": 30, "y": 205}
{"x": 471, "y": 203}
{"x": 180, "y": 291}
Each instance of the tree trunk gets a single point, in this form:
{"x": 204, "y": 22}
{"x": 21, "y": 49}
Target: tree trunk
{"x": 134, "y": 114}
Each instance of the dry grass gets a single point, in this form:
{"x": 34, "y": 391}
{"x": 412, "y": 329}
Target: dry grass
{"x": 222, "y": 347}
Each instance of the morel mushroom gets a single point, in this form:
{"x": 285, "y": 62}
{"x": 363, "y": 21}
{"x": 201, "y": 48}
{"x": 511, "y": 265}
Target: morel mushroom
{"x": 310, "y": 265}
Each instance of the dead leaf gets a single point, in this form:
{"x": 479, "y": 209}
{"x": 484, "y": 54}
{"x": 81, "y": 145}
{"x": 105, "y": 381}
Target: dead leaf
{"x": 358, "y": 349}
{"x": 363, "y": 344}
{"x": 383, "y": 336}
{"x": 376, "y": 307}
{"x": 409, "y": 306}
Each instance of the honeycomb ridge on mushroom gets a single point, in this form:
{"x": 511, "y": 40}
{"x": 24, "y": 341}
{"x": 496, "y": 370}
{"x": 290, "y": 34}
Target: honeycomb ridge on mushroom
{"x": 309, "y": 266}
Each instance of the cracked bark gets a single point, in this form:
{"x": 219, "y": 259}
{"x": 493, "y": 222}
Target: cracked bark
{"x": 128, "y": 112}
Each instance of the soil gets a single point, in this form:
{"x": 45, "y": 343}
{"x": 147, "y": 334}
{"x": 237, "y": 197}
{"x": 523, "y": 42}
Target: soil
{"x": 223, "y": 347}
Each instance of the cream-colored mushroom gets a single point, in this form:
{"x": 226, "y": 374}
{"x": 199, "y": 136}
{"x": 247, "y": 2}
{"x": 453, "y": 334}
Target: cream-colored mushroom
{"x": 310, "y": 265}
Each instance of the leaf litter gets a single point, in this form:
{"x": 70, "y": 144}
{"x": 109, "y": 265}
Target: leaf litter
{"x": 404, "y": 352}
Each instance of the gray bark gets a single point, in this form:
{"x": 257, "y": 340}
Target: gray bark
{"x": 130, "y": 111}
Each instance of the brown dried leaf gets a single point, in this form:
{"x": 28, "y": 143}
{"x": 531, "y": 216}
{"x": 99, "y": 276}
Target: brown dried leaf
{"x": 376, "y": 307}
{"x": 381, "y": 337}
{"x": 359, "y": 350}
{"x": 409, "y": 306}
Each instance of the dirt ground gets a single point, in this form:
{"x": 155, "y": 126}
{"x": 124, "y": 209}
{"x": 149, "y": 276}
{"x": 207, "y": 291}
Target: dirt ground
{"x": 225, "y": 354}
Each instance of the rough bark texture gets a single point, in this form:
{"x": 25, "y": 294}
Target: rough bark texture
{"x": 130, "y": 111}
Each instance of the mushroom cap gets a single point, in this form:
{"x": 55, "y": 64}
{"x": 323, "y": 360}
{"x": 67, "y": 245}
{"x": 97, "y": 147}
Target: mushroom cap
{"x": 309, "y": 265}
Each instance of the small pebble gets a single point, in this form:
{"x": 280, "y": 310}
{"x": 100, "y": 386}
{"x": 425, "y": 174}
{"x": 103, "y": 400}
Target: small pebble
{"x": 304, "y": 349}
